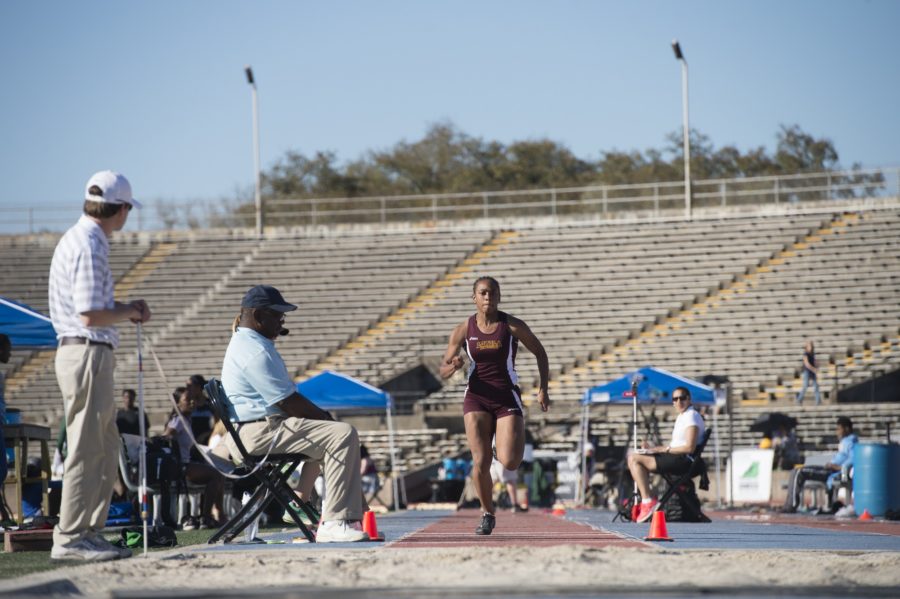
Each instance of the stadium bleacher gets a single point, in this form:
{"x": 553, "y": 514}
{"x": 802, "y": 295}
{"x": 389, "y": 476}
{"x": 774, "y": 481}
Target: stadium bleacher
{"x": 734, "y": 296}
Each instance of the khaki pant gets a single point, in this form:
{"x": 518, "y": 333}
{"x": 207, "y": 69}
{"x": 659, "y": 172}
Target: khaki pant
{"x": 85, "y": 376}
{"x": 333, "y": 445}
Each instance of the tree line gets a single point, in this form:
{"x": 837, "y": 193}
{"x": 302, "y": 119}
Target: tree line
{"x": 448, "y": 160}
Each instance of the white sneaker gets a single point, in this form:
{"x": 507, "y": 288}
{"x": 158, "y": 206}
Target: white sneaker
{"x": 100, "y": 542}
{"x": 845, "y": 512}
{"x": 83, "y": 550}
{"x": 339, "y": 531}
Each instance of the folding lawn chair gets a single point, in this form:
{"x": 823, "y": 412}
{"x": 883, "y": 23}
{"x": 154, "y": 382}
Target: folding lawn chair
{"x": 272, "y": 477}
{"x": 683, "y": 485}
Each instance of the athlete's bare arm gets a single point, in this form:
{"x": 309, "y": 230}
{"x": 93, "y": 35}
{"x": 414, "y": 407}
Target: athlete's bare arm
{"x": 452, "y": 360}
{"x": 521, "y": 332}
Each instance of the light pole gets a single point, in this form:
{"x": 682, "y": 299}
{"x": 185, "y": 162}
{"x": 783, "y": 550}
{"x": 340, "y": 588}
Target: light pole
{"x": 686, "y": 128}
{"x": 259, "y": 211}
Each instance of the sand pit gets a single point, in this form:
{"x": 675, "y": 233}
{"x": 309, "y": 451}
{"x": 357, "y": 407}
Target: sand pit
{"x": 547, "y": 568}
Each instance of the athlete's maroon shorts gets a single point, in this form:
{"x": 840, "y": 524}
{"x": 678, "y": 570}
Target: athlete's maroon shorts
{"x": 500, "y": 402}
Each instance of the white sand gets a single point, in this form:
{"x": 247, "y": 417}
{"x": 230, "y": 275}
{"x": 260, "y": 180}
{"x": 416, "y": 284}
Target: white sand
{"x": 501, "y": 568}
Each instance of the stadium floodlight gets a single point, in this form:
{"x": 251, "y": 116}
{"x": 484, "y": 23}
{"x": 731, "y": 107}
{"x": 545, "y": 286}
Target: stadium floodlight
{"x": 259, "y": 211}
{"x": 676, "y": 47}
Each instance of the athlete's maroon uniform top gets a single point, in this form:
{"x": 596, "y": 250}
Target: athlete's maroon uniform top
{"x": 492, "y": 370}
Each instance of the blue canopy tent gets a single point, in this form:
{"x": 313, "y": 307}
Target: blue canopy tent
{"x": 335, "y": 392}
{"x": 653, "y": 385}
{"x": 25, "y": 327}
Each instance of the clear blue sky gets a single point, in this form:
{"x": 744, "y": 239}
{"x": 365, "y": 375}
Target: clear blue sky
{"x": 156, "y": 90}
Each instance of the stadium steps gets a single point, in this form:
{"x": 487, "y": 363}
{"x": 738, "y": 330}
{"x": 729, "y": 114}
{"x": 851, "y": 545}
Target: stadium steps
{"x": 38, "y": 365}
{"x": 191, "y": 312}
{"x": 148, "y": 263}
{"x": 423, "y": 302}
{"x": 779, "y": 392}
{"x": 32, "y": 387}
{"x": 663, "y": 327}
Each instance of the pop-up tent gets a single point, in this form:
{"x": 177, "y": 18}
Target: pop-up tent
{"x": 335, "y": 392}
{"x": 654, "y": 384}
{"x": 645, "y": 385}
{"x": 25, "y": 327}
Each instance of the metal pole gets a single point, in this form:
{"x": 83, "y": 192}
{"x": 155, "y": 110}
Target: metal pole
{"x": 585, "y": 424}
{"x": 634, "y": 433}
{"x": 259, "y": 211}
{"x": 718, "y": 460}
{"x": 394, "y": 473}
{"x": 686, "y": 133}
{"x": 142, "y": 458}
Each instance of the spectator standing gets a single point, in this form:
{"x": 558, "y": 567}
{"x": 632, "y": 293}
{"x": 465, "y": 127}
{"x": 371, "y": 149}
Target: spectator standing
{"x": 810, "y": 372}
{"x": 84, "y": 314}
{"x": 128, "y": 416}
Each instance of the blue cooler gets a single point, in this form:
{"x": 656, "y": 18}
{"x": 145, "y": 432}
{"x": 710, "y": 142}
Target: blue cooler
{"x": 449, "y": 469}
{"x": 876, "y": 477}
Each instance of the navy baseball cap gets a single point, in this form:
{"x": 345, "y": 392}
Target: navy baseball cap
{"x": 266, "y": 296}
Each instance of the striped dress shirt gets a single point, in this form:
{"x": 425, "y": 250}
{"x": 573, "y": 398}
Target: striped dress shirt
{"x": 80, "y": 281}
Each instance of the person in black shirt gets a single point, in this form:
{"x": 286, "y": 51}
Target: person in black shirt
{"x": 201, "y": 417}
{"x": 810, "y": 372}
{"x": 127, "y": 416}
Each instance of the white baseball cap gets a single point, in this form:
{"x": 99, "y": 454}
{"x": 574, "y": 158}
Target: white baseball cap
{"x": 114, "y": 189}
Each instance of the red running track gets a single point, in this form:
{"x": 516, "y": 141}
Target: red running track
{"x": 532, "y": 529}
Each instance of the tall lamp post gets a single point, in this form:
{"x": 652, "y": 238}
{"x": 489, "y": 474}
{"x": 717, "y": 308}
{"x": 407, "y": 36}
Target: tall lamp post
{"x": 686, "y": 128}
{"x": 259, "y": 211}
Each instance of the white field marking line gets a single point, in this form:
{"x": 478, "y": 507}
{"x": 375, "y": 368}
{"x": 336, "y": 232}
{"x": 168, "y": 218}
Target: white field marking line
{"x": 623, "y": 535}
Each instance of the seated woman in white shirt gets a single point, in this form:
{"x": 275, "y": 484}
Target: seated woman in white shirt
{"x": 671, "y": 459}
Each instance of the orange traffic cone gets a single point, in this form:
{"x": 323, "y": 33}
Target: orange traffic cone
{"x": 558, "y": 510}
{"x": 658, "y": 530}
{"x": 370, "y": 527}
{"x": 865, "y": 516}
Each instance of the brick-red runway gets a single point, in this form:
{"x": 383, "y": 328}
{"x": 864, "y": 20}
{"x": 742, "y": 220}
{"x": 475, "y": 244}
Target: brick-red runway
{"x": 533, "y": 529}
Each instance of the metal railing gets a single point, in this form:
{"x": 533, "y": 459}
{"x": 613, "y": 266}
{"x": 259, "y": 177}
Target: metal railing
{"x": 599, "y": 201}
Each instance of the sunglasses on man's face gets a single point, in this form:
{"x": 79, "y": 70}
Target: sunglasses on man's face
{"x": 679, "y": 398}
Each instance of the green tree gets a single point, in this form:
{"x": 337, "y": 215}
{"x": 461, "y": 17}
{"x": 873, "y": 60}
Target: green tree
{"x": 447, "y": 160}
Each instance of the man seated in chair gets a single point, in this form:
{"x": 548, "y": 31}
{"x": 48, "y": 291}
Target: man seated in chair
{"x": 264, "y": 402}
{"x": 671, "y": 459}
{"x": 830, "y": 472}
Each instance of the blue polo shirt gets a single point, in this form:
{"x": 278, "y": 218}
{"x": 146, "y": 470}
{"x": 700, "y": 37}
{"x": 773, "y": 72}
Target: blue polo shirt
{"x": 254, "y": 377}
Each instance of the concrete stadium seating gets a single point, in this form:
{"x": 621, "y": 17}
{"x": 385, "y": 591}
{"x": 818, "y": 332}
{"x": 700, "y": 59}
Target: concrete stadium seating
{"x": 732, "y": 296}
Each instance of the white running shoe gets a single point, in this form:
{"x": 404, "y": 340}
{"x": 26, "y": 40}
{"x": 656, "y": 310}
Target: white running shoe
{"x": 339, "y": 531}
{"x": 83, "y": 550}
{"x": 100, "y": 542}
{"x": 846, "y": 512}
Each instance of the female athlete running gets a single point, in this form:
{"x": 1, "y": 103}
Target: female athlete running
{"x": 493, "y": 402}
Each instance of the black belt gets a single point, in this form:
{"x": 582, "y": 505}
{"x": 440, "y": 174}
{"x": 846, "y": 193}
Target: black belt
{"x": 82, "y": 341}
{"x": 250, "y": 421}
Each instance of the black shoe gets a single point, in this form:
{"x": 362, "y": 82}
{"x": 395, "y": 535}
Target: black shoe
{"x": 518, "y": 509}
{"x": 487, "y": 524}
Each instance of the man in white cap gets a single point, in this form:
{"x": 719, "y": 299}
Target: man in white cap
{"x": 84, "y": 314}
